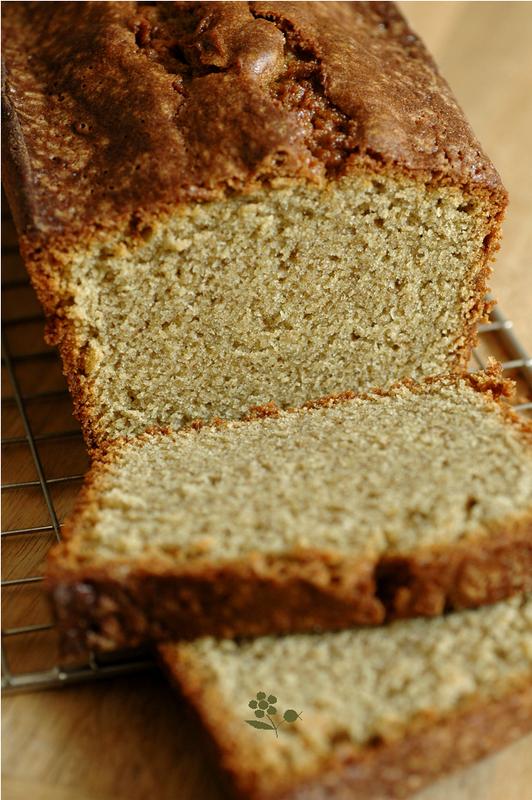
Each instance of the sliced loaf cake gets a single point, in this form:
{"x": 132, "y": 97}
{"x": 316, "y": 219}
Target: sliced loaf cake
{"x": 399, "y": 503}
{"x": 372, "y": 713}
{"x": 226, "y": 204}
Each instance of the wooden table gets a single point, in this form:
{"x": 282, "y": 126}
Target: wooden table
{"x": 125, "y": 738}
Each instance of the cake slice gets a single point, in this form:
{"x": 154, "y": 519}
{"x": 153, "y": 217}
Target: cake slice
{"x": 400, "y": 503}
{"x": 226, "y": 204}
{"x": 380, "y": 712}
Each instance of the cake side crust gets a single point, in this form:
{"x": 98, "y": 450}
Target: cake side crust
{"x": 116, "y": 604}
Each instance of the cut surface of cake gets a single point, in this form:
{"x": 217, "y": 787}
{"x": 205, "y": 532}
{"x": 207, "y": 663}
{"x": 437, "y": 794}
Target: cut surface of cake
{"x": 404, "y": 503}
{"x": 379, "y": 713}
{"x": 226, "y": 204}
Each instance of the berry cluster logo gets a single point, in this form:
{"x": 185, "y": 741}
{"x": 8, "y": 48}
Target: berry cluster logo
{"x": 264, "y": 707}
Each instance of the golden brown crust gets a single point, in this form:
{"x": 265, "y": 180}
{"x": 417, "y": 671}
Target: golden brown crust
{"x": 475, "y": 572}
{"x": 96, "y": 608}
{"x": 430, "y": 747}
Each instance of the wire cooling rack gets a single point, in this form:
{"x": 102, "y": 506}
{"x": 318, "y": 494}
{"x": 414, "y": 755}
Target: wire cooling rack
{"x": 44, "y": 459}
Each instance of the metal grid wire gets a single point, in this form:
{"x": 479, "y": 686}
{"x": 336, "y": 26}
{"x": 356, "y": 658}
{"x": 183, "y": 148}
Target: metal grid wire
{"x": 44, "y": 460}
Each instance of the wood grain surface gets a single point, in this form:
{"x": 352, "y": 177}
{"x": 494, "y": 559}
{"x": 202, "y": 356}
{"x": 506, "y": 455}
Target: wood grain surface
{"x": 127, "y": 738}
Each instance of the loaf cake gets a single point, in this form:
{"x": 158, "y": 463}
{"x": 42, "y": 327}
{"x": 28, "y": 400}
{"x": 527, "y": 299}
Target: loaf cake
{"x": 381, "y": 712}
{"x": 399, "y": 503}
{"x": 226, "y": 204}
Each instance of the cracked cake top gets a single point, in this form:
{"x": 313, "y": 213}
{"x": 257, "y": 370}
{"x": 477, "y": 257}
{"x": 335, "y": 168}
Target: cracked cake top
{"x": 118, "y": 110}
